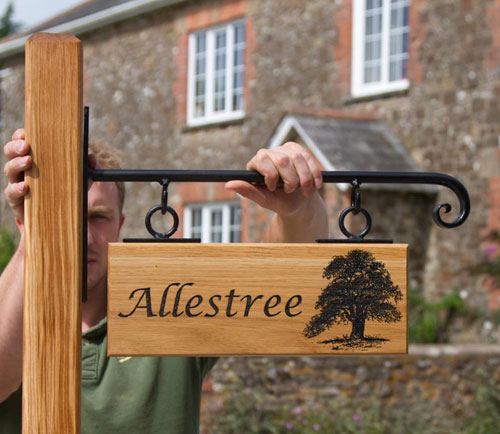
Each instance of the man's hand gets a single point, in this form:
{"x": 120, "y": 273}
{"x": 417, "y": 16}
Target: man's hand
{"x": 300, "y": 174}
{"x": 19, "y": 160}
{"x": 300, "y": 211}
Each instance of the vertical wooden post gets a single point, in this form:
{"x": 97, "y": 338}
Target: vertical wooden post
{"x": 53, "y": 236}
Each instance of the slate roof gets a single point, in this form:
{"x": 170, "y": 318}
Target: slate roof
{"x": 350, "y": 142}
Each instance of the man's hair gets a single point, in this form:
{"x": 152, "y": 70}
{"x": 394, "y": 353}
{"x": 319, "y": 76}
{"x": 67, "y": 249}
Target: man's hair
{"x": 109, "y": 158}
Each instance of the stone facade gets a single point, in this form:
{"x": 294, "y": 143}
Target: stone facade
{"x": 299, "y": 54}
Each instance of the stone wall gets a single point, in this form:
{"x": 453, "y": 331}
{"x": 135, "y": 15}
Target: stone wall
{"x": 436, "y": 385}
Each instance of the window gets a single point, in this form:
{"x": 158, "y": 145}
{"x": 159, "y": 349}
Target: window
{"x": 380, "y": 46}
{"x": 215, "y": 74}
{"x": 213, "y": 223}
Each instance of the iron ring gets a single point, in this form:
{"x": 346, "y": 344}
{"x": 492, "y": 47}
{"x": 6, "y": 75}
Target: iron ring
{"x": 171, "y": 231}
{"x": 355, "y": 211}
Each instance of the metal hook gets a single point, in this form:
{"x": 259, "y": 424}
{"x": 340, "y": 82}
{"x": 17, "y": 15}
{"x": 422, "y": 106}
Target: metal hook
{"x": 164, "y": 195}
{"x": 355, "y": 208}
{"x": 355, "y": 197}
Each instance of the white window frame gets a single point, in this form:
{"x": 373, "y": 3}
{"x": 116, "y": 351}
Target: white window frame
{"x": 210, "y": 116}
{"x": 358, "y": 87}
{"x": 206, "y": 209}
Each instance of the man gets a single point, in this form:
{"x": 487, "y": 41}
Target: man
{"x": 140, "y": 394}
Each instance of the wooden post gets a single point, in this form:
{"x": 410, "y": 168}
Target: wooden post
{"x": 53, "y": 236}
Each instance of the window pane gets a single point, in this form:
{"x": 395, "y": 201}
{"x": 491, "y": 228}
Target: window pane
{"x": 395, "y": 41}
{"x": 372, "y": 4}
{"x": 220, "y": 39}
{"x": 394, "y": 18}
{"x": 219, "y": 98}
{"x": 216, "y": 226}
{"x": 217, "y": 218}
{"x": 196, "y": 218}
{"x": 234, "y": 237}
{"x": 201, "y": 42}
{"x": 234, "y": 234}
{"x": 199, "y": 109}
{"x": 239, "y": 66}
{"x": 239, "y": 57}
{"x": 398, "y": 40}
{"x": 200, "y": 87}
{"x": 235, "y": 215}
{"x": 239, "y": 33}
{"x": 216, "y": 236}
{"x": 238, "y": 79}
{"x": 397, "y": 70}
{"x": 200, "y": 64}
{"x": 220, "y": 61}
{"x": 199, "y": 75}
{"x": 373, "y": 41}
{"x": 196, "y": 223}
{"x": 237, "y": 102}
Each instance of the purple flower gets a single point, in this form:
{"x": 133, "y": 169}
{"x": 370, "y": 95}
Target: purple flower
{"x": 289, "y": 425}
{"x": 316, "y": 427}
{"x": 490, "y": 249}
{"x": 355, "y": 416}
{"x": 297, "y": 410}
{"x": 360, "y": 425}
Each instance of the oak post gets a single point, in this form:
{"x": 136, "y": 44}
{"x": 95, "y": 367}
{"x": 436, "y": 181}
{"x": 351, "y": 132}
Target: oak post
{"x": 53, "y": 236}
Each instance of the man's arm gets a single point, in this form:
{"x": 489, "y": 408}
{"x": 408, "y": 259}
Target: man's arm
{"x": 11, "y": 280}
{"x": 11, "y": 325}
{"x": 300, "y": 213}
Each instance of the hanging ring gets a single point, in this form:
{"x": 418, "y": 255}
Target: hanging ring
{"x": 366, "y": 229}
{"x": 171, "y": 231}
{"x": 355, "y": 208}
{"x": 164, "y": 208}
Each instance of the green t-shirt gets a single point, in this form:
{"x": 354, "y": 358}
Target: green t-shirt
{"x": 129, "y": 394}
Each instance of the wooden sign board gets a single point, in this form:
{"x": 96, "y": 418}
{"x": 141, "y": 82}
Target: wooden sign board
{"x": 256, "y": 299}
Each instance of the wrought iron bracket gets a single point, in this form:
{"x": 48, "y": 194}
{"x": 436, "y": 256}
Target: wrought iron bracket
{"x": 355, "y": 178}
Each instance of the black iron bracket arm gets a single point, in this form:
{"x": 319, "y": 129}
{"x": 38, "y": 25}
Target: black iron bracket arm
{"x": 355, "y": 178}
{"x": 359, "y": 177}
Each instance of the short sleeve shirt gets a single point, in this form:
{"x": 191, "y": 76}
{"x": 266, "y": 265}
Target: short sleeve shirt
{"x": 130, "y": 394}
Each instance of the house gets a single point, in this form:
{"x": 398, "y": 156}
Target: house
{"x": 363, "y": 84}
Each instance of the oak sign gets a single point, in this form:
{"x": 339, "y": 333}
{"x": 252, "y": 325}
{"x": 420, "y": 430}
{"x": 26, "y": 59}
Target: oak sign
{"x": 252, "y": 299}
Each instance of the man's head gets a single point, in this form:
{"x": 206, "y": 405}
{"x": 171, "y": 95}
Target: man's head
{"x": 105, "y": 218}
{"x": 109, "y": 158}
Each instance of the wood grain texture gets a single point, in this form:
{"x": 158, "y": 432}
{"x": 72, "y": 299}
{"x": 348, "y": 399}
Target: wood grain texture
{"x": 53, "y": 236}
{"x": 138, "y": 324}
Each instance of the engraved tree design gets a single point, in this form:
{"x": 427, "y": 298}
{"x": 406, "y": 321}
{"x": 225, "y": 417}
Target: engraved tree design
{"x": 360, "y": 289}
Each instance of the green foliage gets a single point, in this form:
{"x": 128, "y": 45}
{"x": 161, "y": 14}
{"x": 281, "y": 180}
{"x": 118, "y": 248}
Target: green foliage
{"x": 428, "y": 321}
{"x": 7, "y": 248}
{"x": 7, "y": 26}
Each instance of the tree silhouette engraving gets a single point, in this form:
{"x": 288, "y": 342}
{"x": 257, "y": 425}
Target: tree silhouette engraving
{"x": 360, "y": 289}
